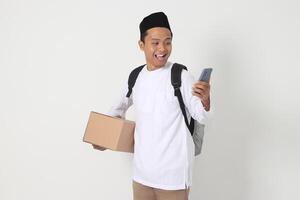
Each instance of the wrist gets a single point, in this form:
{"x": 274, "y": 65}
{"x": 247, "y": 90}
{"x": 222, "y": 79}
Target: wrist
{"x": 206, "y": 104}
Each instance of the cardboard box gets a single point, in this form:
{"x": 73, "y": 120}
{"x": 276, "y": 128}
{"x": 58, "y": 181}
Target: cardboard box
{"x": 110, "y": 132}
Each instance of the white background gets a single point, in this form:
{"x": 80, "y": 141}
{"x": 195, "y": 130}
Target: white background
{"x": 61, "y": 59}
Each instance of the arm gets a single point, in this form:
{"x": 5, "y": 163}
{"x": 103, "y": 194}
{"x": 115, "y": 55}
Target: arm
{"x": 196, "y": 104}
{"x": 202, "y": 91}
{"x": 122, "y": 104}
{"x": 118, "y": 109}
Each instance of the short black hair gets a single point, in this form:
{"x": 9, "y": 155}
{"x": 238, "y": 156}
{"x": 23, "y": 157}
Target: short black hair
{"x": 143, "y": 35}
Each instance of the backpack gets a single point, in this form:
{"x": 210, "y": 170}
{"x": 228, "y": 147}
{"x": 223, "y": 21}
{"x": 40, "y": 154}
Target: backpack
{"x": 196, "y": 129}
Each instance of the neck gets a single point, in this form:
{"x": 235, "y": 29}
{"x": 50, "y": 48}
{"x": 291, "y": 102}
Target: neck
{"x": 152, "y": 67}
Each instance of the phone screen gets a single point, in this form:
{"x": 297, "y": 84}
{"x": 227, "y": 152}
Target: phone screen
{"x": 205, "y": 75}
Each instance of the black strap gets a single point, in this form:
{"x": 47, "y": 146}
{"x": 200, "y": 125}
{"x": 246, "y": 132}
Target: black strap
{"x": 176, "y": 83}
{"x": 132, "y": 79}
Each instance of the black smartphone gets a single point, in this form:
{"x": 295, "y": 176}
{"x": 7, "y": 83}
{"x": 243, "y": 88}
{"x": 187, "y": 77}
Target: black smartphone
{"x": 205, "y": 75}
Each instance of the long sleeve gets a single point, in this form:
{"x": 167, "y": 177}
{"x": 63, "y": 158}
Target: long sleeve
{"x": 122, "y": 104}
{"x": 192, "y": 103}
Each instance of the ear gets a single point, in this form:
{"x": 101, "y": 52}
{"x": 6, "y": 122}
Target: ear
{"x": 141, "y": 45}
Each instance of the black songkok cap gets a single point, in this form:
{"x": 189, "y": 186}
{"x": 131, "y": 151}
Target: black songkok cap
{"x": 158, "y": 19}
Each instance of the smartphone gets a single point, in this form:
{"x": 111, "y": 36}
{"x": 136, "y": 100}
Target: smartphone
{"x": 205, "y": 75}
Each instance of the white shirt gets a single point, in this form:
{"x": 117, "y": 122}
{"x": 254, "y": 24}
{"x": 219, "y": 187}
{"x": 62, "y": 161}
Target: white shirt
{"x": 164, "y": 149}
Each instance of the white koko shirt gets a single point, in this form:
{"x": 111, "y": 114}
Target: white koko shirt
{"x": 163, "y": 149}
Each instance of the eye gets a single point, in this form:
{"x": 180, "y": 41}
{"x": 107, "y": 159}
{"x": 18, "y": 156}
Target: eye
{"x": 155, "y": 43}
{"x": 168, "y": 42}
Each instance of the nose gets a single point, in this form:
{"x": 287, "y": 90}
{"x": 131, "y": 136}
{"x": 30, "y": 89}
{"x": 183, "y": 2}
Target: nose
{"x": 161, "y": 47}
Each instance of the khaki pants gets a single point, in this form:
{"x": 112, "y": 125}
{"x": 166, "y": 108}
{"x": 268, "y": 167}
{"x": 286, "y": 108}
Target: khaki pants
{"x": 142, "y": 192}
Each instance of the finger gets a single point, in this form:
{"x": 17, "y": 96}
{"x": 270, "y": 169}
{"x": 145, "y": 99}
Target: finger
{"x": 204, "y": 87}
{"x": 202, "y": 96}
{"x": 98, "y": 147}
{"x": 197, "y": 95}
{"x": 199, "y": 90}
{"x": 202, "y": 83}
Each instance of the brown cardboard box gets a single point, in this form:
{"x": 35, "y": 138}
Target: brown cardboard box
{"x": 110, "y": 132}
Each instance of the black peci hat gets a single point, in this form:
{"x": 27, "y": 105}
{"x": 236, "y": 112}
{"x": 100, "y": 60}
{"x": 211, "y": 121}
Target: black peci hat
{"x": 158, "y": 19}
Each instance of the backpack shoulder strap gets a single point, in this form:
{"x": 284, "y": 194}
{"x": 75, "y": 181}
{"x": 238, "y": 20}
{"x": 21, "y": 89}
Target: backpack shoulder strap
{"x": 176, "y": 75}
{"x": 132, "y": 79}
{"x": 176, "y": 83}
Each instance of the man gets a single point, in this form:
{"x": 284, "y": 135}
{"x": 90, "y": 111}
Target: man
{"x": 164, "y": 149}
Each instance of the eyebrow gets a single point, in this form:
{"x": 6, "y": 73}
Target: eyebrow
{"x": 168, "y": 38}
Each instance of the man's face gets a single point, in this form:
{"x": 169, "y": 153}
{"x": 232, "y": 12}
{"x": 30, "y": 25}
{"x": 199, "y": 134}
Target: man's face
{"x": 157, "y": 47}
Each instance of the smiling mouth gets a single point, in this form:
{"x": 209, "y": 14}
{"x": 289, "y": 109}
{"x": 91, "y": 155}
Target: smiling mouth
{"x": 160, "y": 56}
